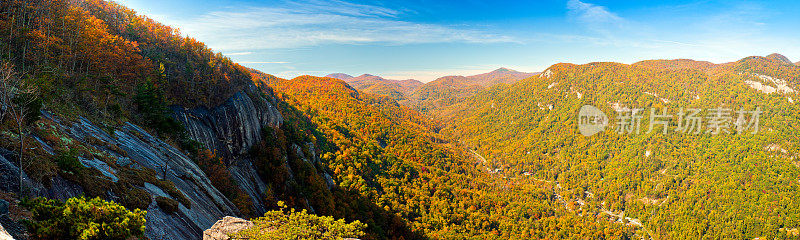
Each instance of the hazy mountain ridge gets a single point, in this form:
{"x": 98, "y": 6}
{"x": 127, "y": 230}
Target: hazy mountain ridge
{"x": 421, "y": 95}
{"x": 448, "y": 90}
{"x": 396, "y": 89}
{"x": 500, "y": 75}
{"x": 340, "y": 76}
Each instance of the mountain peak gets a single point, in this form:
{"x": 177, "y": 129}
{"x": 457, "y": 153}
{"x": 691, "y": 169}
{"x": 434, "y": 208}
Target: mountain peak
{"x": 779, "y": 57}
{"x": 340, "y": 76}
{"x": 502, "y": 69}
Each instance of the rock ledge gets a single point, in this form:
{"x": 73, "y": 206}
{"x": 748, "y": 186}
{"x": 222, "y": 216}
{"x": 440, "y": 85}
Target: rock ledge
{"x": 228, "y": 225}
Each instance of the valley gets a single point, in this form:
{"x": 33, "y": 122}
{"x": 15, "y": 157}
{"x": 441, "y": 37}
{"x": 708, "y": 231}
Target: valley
{"x": 114, "y": 125}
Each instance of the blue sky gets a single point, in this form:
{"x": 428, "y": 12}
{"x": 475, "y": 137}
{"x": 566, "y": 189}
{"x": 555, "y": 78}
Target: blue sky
{"x": 424, "y": 39}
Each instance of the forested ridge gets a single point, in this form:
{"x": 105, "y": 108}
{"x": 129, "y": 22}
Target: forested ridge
{"x": 458, "y": 159}
{"x": 393, "y": 156}
{"x": 97, "y": 52}
{"x": 97, "y": 62}
{"x": 678, "y": 185}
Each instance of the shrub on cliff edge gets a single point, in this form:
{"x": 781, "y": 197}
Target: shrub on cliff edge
{"x": 85, "y": 219}
{"x": 291, "y": 224}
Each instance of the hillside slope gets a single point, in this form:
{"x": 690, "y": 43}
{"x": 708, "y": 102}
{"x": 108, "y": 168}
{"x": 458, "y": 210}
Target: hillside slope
{"x": 677, "y": 185}
{"x": 391, "y": 155}
{"x": 121, "y": 107}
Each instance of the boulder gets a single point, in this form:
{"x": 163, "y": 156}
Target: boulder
{"x": 4, "y": 235}
{"x": 226, "y": 226}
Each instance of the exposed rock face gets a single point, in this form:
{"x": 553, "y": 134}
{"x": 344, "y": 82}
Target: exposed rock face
{"x": 9, "y": 181}
{"x": 140, "y": 149}
{"x": 231, "y": 129}
{"x": 781, "y": 86}
{"x": 207, "y": 203}
{"x": 226, "y": 226}
{"x": 9, "y": 175}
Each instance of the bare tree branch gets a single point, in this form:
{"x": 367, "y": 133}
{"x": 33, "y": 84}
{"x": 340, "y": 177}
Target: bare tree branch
{"x": 15, "y": 97}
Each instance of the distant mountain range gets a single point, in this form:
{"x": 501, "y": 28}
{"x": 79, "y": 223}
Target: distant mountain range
{"x": 440, "y": 92}
{"x": 450, "y": 89}
{"x": 395, "y": 89}
{"x": 340, "y": 76}
{"x": 501, "y": 75}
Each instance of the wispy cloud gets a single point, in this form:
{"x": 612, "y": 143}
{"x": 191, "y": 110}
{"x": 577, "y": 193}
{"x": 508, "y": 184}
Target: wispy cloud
{"x": 311, "y": 23}
{"x": 604, "y": 25}
{"x": 343, "y": 8}
{"x": 590, "y": 13}
{"x": 707, "y": 37}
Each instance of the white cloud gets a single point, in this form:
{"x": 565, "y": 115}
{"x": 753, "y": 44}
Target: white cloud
{"x": 310, "y": 23}
{"x": 591, "y": 14}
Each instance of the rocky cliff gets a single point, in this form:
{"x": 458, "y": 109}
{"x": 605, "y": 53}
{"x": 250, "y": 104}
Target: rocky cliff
{"x": 233, "y": 127}
{"x": 136, "y": 148}
{"x": 230, "y": 129}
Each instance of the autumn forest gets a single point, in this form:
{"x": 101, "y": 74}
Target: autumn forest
{"x": 116, "y": 126}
